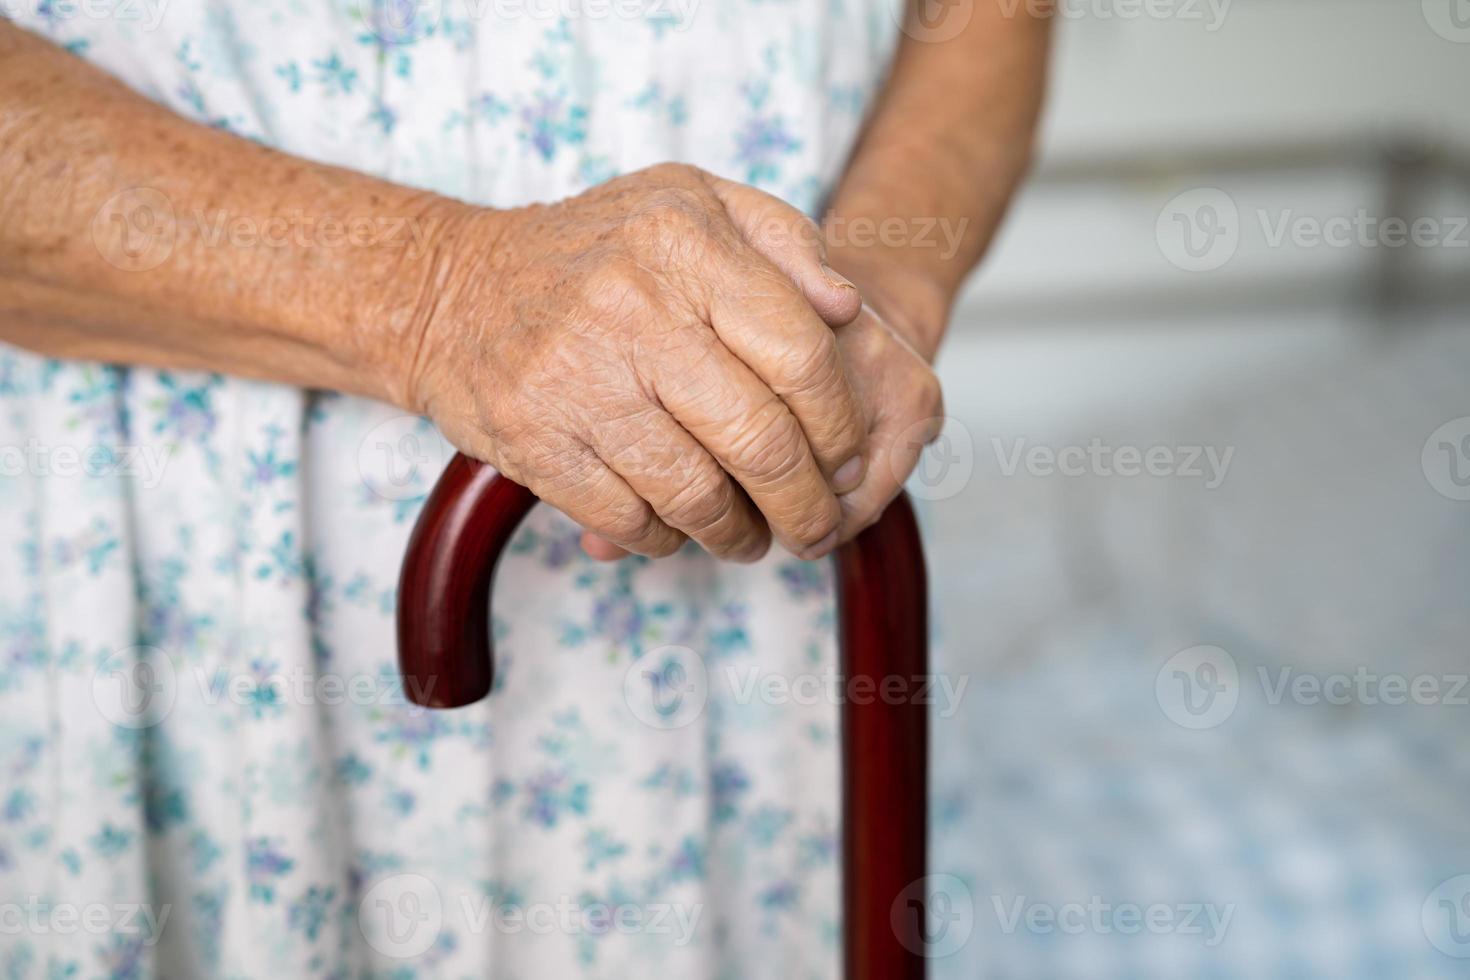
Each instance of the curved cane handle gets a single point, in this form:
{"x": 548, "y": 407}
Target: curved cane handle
{"x": 447, "y": 660}
{"x": 444, "y": 648}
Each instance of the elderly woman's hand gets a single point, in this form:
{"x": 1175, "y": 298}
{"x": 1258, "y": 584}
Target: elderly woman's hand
{"x": 654, "y": 357}
{"x": 899, "y": 393}
{"x": 664, "y": 355}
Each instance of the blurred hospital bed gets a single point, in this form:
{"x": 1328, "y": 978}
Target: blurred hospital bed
{"x": 1075, "y": 793}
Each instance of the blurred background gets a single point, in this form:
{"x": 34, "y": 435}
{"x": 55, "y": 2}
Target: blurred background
{"x": 1199, "y": 527}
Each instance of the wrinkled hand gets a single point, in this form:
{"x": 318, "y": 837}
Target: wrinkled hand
{"x": 899, "y": 393}
{"x": 655, "y": 358}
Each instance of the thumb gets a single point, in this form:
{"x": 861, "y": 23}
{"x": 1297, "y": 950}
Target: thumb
{"x": 794, "y": 244}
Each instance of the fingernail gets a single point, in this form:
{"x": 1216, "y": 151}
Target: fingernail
{"x": 848, "y": 475}
{"x": 836, "y": 278}
{"x": 821, "y": 548}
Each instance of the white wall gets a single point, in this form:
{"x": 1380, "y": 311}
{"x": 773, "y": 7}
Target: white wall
{"x": 1231, "y": 75}
{"x": 1268, "y": 69}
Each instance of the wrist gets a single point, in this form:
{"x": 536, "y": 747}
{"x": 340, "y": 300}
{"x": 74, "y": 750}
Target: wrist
{"x": 397, "y": 301}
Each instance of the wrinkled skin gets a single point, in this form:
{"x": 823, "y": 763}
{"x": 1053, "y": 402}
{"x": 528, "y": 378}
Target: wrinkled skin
{"x": 667, "y": 356}
{"x": 663, "y": 356}
{"x": 900, "y": 403}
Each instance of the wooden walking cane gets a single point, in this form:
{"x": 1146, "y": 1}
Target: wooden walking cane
{"x": 445, "y": 654}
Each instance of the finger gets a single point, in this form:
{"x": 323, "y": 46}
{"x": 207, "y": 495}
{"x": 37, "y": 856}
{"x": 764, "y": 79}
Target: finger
{"x": 683, "y": 483}
{"x": 898, "y": 438}
{"x": 894, "y": 458}
{"x": 767, "y": 324}
{"x": 752, "y": 434}
{"x": 793, "y": 243}
{"x": 601, "y": 549}
{"x": 582, "y": 486}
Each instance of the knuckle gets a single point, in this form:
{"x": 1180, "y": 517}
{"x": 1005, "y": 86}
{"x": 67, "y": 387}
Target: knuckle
{"x": 676, "y": 173}
{"x": 782, "y": 228}
{"x": 748, "y": 541}
{"x": 846, "y": 437}
{"x": 925, "y": 394}
{"x": 673, "y": 218}
{"x": 661, "y": 545}
{"x": 749, "y": 547}
{"x": 700, "y": 504}
{"x": 550, "y": 464}
{"x": 620, "y": 288}
{"x": 849, "y": 441}
{"x": 636, "y": 524}
{"x": 814, "y": 364}
{"x": 771, "y": 448}
{"x": 929, "y": 395}
{"x": 814, "y": 527}
{"x": 675, "y": 202}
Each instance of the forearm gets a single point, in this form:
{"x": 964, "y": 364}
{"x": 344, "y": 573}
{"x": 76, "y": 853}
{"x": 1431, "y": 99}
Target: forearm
{"x": 130, "y": 234}
{"x": 947, "y": 143}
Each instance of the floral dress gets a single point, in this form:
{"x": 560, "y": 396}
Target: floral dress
{"x": 209, "y": 766}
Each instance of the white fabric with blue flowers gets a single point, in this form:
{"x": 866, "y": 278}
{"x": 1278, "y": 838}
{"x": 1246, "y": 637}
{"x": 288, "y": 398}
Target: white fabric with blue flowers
{"x": 209, "y": 767}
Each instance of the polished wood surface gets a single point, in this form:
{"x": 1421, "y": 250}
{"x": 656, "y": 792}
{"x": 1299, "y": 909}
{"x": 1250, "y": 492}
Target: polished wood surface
{"x": 444, "y": 646}
{"x": 883, "y": 641}
{"x": 446, "y": 655}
